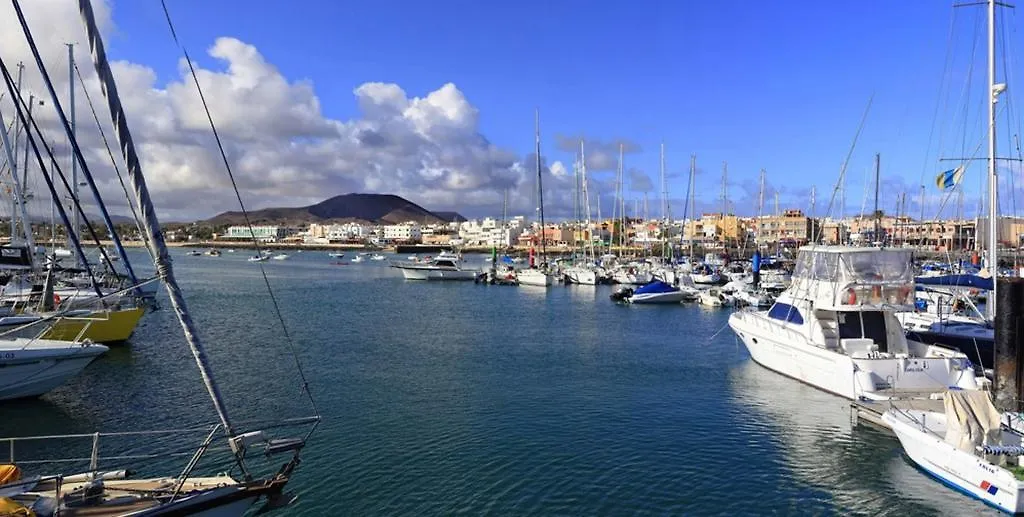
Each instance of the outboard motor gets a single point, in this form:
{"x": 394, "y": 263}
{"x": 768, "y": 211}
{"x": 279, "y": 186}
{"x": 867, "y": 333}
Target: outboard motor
{"x": 621, "y": 294}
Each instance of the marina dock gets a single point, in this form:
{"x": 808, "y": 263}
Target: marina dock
{"x": 870, "y": 411}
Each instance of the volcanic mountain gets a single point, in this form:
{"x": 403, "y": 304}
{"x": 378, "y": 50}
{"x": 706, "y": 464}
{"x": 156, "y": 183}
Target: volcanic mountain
{"x": 362, "y": 208}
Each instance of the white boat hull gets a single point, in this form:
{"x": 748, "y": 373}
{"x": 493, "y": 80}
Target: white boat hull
{"x": 437, "y": 274}
{"x": 960, "y": 470}
{"x": 787, "y": 351}
{"x": 30, "y": 372}
{"x": 581, "y": 276}
{"x": 533, "y": 277}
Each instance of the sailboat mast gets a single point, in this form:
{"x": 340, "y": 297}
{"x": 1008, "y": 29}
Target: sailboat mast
{"x": 540, "y": 189}
{"x": 760, "y": 207}
{"x": 693, "y": 204}
{"x": 877, "y": 214}
{"x": 993, "y": 186}
{"x": 664, "y": 187}
{"x": 150, "y": 223}
{"x": 71, "y": 152}
{"x": 622, "y": 202}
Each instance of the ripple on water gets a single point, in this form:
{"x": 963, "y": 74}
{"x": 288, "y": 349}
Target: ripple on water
{"x": 446, "y": 399}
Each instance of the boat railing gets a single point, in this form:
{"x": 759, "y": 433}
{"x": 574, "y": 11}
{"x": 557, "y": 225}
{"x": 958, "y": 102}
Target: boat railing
{"x": 755, "y": 316}
{"x": 94, "y": 459}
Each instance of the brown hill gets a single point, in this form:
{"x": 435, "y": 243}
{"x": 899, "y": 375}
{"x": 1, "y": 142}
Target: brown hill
{"x": 363, "y": 208}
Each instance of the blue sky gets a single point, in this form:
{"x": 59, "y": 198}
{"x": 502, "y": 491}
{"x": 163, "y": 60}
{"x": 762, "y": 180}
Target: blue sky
{"x": 773, "y": 85}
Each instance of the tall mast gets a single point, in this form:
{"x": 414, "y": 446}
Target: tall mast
{"x": 13, "y": 160}
{"x": 150, "y": 223}
{"x": 664, "y": 187}
{"x": 813, "y": 191}
{"x": 760, "y": 207}
{"x": 71, "y": 136}
{"x": 993, "y": 186}
{"x": 922, "y": 203}
{"x": 877, "y": 214}
{"x": 693, "y": 204}
{"x": 725, "y": 192}
{"x": 540, "y": 189}
{"x": 586, "y": 198}
{"x": 620, "y": 202}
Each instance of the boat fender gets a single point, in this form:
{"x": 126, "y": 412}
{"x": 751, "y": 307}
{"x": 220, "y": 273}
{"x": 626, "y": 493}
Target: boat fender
{"x": 56, "y": 299}
{"x": 851, "y": 297}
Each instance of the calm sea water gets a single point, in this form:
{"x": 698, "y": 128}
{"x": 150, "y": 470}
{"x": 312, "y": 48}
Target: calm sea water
{"x": 443, "y": 399}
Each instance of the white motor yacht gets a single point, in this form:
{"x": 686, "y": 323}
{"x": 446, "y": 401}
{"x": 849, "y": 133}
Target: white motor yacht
{"x": 445, "y": 266}
{"x": 835, "y": 328}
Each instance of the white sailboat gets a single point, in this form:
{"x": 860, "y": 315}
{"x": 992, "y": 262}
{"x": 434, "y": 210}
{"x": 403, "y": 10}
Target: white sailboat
{"x": 537, "y": 276}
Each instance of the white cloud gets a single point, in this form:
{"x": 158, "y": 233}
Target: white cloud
{"x": 283, "y": 150}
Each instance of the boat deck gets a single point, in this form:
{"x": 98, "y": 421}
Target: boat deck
{"x": 871, "y": 411}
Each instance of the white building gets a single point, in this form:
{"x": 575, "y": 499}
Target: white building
{"x": 406, "y": 232}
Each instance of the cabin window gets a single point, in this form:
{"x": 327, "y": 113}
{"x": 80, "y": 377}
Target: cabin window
{"x": 786, "y": 312}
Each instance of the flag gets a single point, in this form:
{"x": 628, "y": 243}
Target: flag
{"x": 950, "y": 178}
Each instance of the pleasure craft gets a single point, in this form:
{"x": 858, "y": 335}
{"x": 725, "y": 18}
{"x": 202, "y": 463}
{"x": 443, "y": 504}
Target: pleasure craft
{"x": 337, "y": 254}
{"x": 445, "y": 266}
{"x": 835, "y": 328}
{"x": 713, "y": 298}
{"x": 30, "y": 367}
{"x": 378, "y": 256}
{"x": 280, "y": 256}
{"x": 632, "y": 275}
{"x": 656, "y": 292}
{"x": 194, "y": 253}
{"x": 580, "y": 275}
{"x": 358, "y": 258}
{"x": 534, "y": 277}
{"x": 213, "y": 253}
{"x": 966, "y": 446}
{"x": 704, "y": 274}
{"x": 259, "y": 258}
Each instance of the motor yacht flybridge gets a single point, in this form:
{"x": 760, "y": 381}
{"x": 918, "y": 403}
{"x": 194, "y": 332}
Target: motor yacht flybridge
{"x": 835, "y": 328}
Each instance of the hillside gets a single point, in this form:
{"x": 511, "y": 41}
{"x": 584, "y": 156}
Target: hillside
{"x": 362, "y": 208}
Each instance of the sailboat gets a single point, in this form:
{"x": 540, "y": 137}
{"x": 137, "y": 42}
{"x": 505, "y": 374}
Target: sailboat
{"x": 537, "y": 276}
{"x": 583, "y": 271}
{"x": 112, "y": 493}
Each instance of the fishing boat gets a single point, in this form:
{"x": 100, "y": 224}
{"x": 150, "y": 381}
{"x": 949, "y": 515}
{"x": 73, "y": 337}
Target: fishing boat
{"x": 966, "y": 447}
{"x": 835, "y": 328}
{"x": 445, "y": 266}
{"x": 110, "y": 493}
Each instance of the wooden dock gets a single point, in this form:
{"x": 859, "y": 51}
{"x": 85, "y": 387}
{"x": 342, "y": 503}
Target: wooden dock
{"x": 870, "y": 411}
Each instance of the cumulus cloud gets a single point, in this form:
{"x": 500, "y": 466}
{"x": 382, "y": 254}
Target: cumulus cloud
{"x": 282, "y": 148}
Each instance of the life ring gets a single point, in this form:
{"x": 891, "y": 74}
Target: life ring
{"x": 56, "y": 299}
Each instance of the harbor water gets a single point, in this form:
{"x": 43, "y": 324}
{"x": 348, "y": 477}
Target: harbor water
{"x": 455, "y": 398}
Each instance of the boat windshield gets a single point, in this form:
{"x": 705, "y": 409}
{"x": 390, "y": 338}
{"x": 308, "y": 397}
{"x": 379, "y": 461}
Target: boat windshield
{"x": 876, "y": 266}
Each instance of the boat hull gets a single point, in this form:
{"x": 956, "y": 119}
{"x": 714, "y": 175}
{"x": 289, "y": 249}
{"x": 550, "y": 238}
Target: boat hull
{"x": 662, "y": 298}
{"x": 30, "y": 372}
{"x": 437, "y": 274}
{"x": 533, "y": 277}
{"x": 581, "y": 276}
{"x": 957, "y": 469}
{"x": 788, "y": 352}
{"x": 110, "y": 326}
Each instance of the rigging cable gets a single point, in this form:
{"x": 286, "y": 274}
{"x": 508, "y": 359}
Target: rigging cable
{"x": 113, "y": 162}
{"x": 245, "y": 215}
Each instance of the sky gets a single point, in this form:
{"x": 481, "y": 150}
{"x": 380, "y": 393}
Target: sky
{"x": 435, "y": 101}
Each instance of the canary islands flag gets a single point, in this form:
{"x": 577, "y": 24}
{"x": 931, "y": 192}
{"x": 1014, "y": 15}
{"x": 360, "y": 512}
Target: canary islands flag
{"x": 950, "y": 178}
